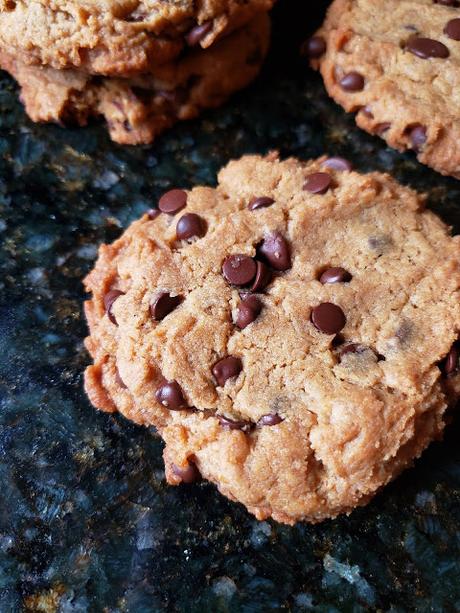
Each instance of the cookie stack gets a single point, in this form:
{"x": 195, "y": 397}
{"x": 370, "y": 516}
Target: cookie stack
{"x": 143, "y": 65}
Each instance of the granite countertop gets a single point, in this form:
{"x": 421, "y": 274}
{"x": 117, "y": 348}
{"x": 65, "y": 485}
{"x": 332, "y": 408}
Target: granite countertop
{"x": 86, "y": 520}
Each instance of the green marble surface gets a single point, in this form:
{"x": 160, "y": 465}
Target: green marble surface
{"x": 87, "y": 523}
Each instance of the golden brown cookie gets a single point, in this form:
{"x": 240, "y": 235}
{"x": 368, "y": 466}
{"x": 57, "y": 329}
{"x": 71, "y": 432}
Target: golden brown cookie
{"x": 117, "y": 38}
{"x": 140, "y": 108}
{"x": 291, "y": 333}
{"x": 396, "y": 65}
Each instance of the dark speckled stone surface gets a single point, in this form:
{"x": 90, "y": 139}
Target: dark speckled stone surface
{"x": 86, "y": 521}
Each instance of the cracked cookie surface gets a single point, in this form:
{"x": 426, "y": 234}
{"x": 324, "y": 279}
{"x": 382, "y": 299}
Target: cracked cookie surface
{"x": 396, "y": 64}
{"x": 117, "y": 38}
{"x": 141, "y": 107}
{"x": 291, "y": 333}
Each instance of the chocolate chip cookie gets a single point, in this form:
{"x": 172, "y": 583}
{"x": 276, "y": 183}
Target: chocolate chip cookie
{"x": 117, "y": 38}
{"x": 291, "y": 333}
{"x": 396, "y": 65}
{"x": 141, "y": 107}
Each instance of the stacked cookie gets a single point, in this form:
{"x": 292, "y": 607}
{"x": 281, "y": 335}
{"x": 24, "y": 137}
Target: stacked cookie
{"x": 143, "y": 65}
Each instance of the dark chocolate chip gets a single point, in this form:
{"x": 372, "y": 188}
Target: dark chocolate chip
{"x": 239, "y": 269}
{"x": 366, "y": 111}
{"x": 248, "y": 310}
{"x": 314, "y": 47}
{"x": 352, "y": 82}
{"x": 426, "y": 48}
{"x": 196, "y": 34}
{"x": 328, "y": 318}
{"x": 163, "y": 304}
{"x": 452, "y": 29}
{"x": 188, "y": 474}
{"x": 275, "y": 250}
{"x": 447, "y": 2}
{"x": 109, "y": 299}
{"x": 318, "y": 183}
{"x": 173, "y": 201}
{"x": 170, "y": 395}
{"x": 381, "y": 128}
{"x": 226, "y": 368}
{"x": 337, "y": 163}
{"x": 335, "y": 275}
{"x": 452, "y": 358}
{"x": 417, "y": 135}
{"x": 153, "y": 213}
{"x": 350, "y": 348}
{"x": 231, "y": 424}
{"x": 271, "y": 419}
{"x": 262, "y": 278}
{"x": 259, "y": 203}
{"x": 190, "y": 225}
{"x": 119, "y": 380}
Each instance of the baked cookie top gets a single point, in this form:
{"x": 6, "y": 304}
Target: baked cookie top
{"x": 396, "y": 64}
{"x": 291, "y": 332}
{"x": 141, "y": 107}
{"x": 117, "y": 37}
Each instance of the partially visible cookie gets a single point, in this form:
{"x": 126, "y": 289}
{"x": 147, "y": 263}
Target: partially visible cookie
{"x": 140, "y": 108}
{"x": 396, "y": 65}
{"x": 117, "y": 38}
{"x": 291, "y": 333}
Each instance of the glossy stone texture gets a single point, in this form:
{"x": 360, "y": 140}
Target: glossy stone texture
{"x": 87, "y": 523}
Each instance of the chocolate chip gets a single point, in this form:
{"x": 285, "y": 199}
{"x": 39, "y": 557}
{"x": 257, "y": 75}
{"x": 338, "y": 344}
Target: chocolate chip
{"x": 314, "y": 47}
{"x": 226, "y": 368}
{"x": 452, "y": 29}
{"x": 350, "y": 348}
{"x": 163, "y": 305}
{"x": 190, "y": 225}
{"x": 275, "y": 250}
{"x": 452, "y": 358}
{"x": 259, "y": 203}
{"x": 335, "y": 275}
{"x": 380, "y": 243}
{"x": 367, "y": 112}
{"x": 447, "y": 2}
{"x": 231, "y": 424}
{"x": 417, "y": 136}
{"x": 153, "y": 213}
{"x": 337, "y": 163}
{"x": 119, "y": 380}
{"x": 239, "y": 269}
{"x": 197, "y": 33}
{"x": 248, "y": 310}
{"x": 262, "y": 278}
{"x": 187, "y": 474}
{"x": 271, "y": 419}
{"x": 352, "y": 82}
{"x": 173, "y": 201}
{"x": 328, "y": 318}
{"x": 381, "y": 128}
{"x": 170, "y": 395}
{"x": 426, "y": 48}
{"x": 109, "y": 299}
{"x": 318, "y": 183}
